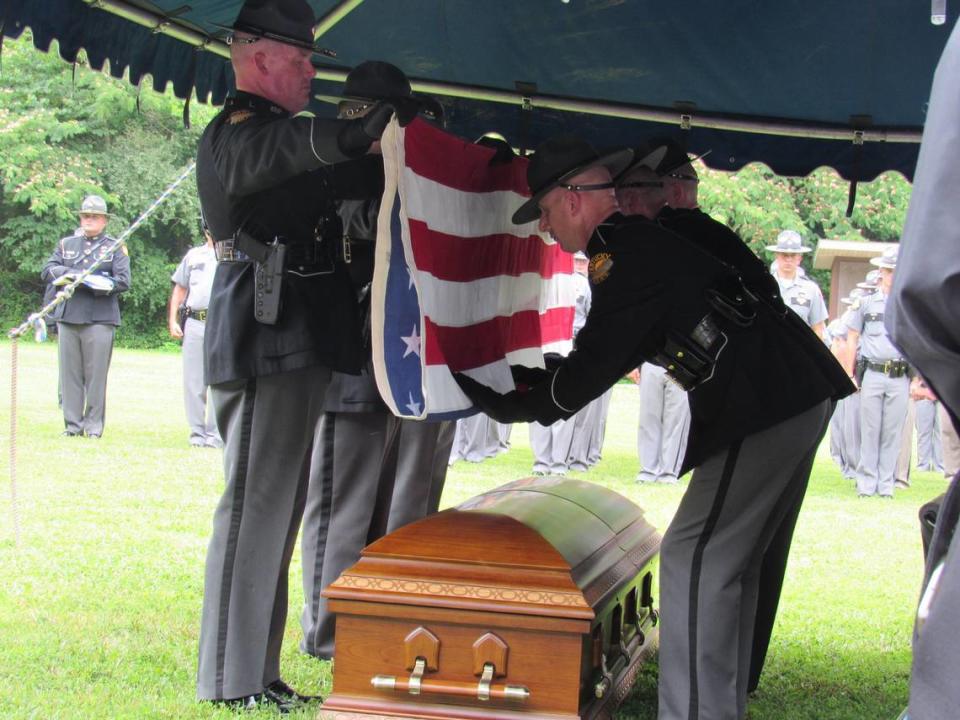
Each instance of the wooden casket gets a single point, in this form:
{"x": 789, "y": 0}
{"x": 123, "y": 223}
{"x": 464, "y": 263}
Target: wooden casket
{"x": 532, "y": 600}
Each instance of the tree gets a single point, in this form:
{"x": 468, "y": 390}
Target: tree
{"x": 67, "y": 132}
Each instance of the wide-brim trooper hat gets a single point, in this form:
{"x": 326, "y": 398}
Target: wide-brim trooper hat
{"x": 375, "y": 80}
{"x": 854, "y": 295}
{"x": 557, "y": 160}
{"x": 789, "y": 241}
{"x": 871, "y": 281}
{"x": 674, "y": 156}
{"x": 286, "y": 21}
{"x": 888, "y": 260}
{"x": 93, "y": 205}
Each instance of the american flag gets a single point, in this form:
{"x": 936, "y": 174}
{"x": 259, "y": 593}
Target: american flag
{"x": 457, "y": 287}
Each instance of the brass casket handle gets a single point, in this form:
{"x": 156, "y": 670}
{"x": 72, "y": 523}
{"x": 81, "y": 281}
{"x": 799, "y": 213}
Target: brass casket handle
{"x": 484, "y": 690}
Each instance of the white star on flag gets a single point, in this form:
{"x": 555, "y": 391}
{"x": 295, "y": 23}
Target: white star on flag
{"x": 412, "y": 342}
{"x": 413, "y": 406}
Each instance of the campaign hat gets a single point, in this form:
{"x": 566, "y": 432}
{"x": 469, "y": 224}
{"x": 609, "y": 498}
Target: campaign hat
{"x": 673, "y": 158}
{"x": 789, "y": 241}
{"x": 557, "y": 160}
{"x": 286, "y": 21}
{"x": 374, "y": 80}
{"x": 93, "y": 205}
{"x": 887, "y": 260}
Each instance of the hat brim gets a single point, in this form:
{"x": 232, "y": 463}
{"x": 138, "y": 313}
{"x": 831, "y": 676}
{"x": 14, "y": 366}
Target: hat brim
{"x": 277, "y": 37}
{"x": 798, "y": 251}
{"x": 614, "y": 161}
{"x": 881, "y": 263}
{"x": 429, "y": 106}
{"x": 671, "y": 168}
{"x": 94, "y": 212}
{"x": 648, "y": 161}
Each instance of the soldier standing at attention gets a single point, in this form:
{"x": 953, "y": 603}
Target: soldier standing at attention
{"x": 186, "y": 321}
{"x": 374, "y": 472}
{"x": 800, "y": 294}
{"x": 885, "y": 388}
{"x": 87, "y": 321}
{"x": 282, "y": 316}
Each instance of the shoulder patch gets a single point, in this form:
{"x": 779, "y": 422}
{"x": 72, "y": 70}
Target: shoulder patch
{"x": 599, "y": 268}
{"x": 123, "y": 249}
{"x": 239, "y": 116}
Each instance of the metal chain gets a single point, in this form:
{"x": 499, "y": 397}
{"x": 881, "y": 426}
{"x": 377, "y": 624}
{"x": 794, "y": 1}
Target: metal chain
{"x": 67, "y": 292}
{"x": 14, "y": 505}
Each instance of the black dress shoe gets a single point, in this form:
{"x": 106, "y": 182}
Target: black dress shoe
{"x": 70, "y": 433}
{"x": 259, "y": 700}
{"x": 284, "y": 693}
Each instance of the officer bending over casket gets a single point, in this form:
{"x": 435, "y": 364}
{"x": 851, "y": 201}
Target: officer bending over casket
{"x": 662, "y": 294}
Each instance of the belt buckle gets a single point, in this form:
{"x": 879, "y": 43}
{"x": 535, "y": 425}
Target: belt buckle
{"x": 887, "y": 366}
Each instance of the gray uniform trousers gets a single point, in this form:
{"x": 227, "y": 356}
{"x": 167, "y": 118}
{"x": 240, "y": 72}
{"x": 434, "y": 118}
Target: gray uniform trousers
{"x": 929, "y": 445}
{"x": 905, "y": 456}
{"x": 85, "y": 352}
{"x": 883, "y": 409}
{"x": 269, "y": 424}
{"x": 551, "y": 446}
{"x": 663, "y": 428}
{"x": 422, "y": 458}
{"x": 203, "y": 424}
{"x": 851, "y": 434}
{"x": 836, "y": 436}
{"x": 601, "y": 408}
{"x": 951, "y": 443}
{"x": 478, "y": 437}
{"x": 710, "y": 564}
{"x": 589, "y": 425}
{"x": 365, "y": 462}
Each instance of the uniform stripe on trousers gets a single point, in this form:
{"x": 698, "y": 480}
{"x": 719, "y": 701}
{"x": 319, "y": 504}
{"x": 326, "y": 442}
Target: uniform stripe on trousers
{"x": 236, "y": 515}
{"x": 325, "y": 476}
{"x": 705, "y": 535}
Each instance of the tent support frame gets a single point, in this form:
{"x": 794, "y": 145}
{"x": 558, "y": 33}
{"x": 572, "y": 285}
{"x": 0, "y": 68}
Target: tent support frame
{"x": 685, "y": 118}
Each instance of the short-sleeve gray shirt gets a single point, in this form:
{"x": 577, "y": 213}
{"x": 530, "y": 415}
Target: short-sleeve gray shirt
{"x": 195, "y": 272}
{"x": 866, "y": 318}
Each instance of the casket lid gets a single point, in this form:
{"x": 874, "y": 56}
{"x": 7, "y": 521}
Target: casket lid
{"x": 535, "y": 541}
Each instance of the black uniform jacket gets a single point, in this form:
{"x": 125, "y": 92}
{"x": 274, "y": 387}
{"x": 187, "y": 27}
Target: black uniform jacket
{"x": 359, "y": 188}
{"x": 76, "y": 253}
{"x": 260, "y": 169}
{"x": 647, "y": 280}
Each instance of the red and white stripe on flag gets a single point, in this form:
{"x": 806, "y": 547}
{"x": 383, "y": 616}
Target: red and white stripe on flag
{"x": 457, "y": 286}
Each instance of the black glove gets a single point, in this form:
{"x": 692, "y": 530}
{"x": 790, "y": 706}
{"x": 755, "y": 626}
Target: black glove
{"x": 530, "y": 377}
{"x": 535, "y": 405}
{"x": 358, "y": 135}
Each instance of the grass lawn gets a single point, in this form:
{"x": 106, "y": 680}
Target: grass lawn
{"x": 99, "y": 608}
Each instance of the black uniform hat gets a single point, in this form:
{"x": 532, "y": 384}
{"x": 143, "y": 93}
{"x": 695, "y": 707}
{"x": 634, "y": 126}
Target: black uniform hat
{"x": 286, "y": 21}
{"x": 374, "y": 80}
{"x": 557, "y": 160}
{"x": 674, "y": 158}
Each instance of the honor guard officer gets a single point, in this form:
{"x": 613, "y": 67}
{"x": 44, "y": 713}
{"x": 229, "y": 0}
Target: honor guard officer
{"x": 87, "y": 321}
{"x": 661, "y": 294}
{"x": 186, "y": 321}
{"x": 884, "y": 387}
{"x": 374, "y": 472}
{"x": 282, "y": 316}
{"x": 800, "y": 294}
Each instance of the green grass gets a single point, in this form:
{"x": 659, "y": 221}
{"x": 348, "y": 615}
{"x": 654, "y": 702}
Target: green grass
{"x": 99, "y": 608}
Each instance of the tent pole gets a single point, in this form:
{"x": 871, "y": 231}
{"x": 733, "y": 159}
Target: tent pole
{"x": 336, "y": 14}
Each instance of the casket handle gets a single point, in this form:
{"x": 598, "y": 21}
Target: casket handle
{"x": 484, "y": 690}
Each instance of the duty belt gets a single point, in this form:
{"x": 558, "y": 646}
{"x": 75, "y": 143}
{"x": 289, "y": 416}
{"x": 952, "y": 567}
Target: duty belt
{"x": 200, "y": 315}
{"x": 313, "y": 257}
{"x": 893, "y": 368}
